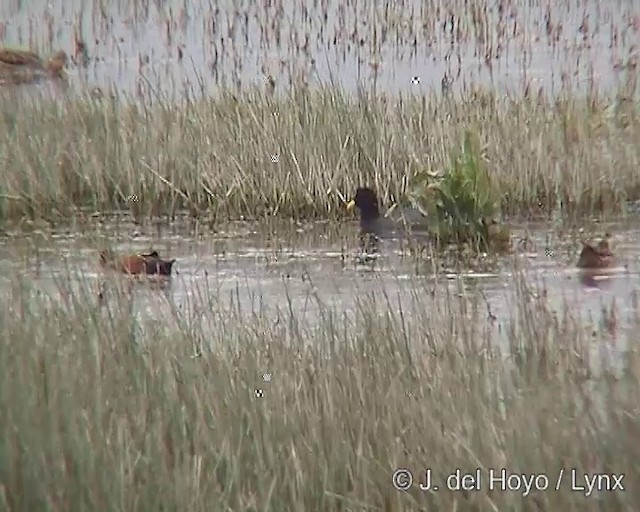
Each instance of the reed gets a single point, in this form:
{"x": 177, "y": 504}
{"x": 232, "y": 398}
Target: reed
{"x": 221, "y": 407}
{"x": 251, "y": 155}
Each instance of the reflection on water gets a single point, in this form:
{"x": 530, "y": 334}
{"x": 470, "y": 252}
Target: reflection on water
{"x": 179, "y": 48}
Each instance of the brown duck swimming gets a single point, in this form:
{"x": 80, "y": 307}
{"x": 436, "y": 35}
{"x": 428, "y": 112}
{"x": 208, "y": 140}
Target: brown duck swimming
{"x": 137, "y": 264}
{"x": 25, "y": 66}
{"x": 497, "y": 235}
{"x": 597, "y": 257}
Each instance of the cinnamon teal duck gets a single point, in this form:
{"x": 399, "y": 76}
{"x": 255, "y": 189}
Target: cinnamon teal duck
{"x": 599, "y": 256}
{"x": 25, "y": 66}
{"x": 137, "y": 264}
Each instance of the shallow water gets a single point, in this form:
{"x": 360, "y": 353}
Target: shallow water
{"x": 313, "y": 270}
{"x": 175, "y": 48}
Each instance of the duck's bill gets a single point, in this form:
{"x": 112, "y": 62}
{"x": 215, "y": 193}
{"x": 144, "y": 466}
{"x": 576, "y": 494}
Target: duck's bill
{"x": 350, "y": 205}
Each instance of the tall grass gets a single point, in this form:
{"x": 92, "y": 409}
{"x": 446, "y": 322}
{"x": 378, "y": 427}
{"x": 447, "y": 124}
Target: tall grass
{"x": 252, "y": 155}
{"x": 102, "y": 410}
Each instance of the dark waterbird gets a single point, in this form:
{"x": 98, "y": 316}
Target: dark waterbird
{"x": 392, "y": 223}
{"x": 410, "y": 222}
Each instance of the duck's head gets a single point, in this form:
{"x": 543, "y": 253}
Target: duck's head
{"x": 605, "y": 243}
{"x": 152, "y": 254}
{"x": 367, "y": 202}
{"x": 57, "y": 62}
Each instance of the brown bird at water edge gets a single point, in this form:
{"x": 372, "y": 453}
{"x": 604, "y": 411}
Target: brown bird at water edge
{"x": 497, "y": 235}
{"x": 597, "y": 257}
{"x": 25, "y": 66}
{"x": 137, "y": 264}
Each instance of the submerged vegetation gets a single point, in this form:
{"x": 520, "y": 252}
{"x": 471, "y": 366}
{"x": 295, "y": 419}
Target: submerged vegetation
{"x": 252, "y": 155}
{"x": 219, "y": 407}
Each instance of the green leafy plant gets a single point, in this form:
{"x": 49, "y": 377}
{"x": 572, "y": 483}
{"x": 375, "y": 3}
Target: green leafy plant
{"x": 461, "y": 201}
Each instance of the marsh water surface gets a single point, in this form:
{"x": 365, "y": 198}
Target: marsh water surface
{"x": 314, "y": 269}
{"x": 175, "y": 48}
